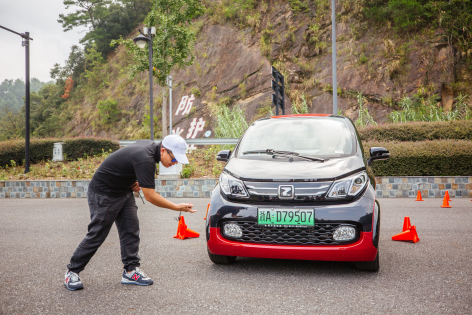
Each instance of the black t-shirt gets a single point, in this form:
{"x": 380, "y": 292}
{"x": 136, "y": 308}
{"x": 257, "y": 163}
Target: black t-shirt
{"x": 136, "y": 162}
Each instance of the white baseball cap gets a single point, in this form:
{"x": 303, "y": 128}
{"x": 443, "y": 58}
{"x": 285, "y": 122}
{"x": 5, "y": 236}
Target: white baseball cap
{"x": 178, "y": 146}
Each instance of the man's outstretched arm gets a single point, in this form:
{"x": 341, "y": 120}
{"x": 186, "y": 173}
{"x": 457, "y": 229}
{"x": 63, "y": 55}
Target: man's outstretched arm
{"x": 159, "y": 201}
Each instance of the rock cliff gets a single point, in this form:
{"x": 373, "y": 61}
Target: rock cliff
{"x": 233, "y": 67}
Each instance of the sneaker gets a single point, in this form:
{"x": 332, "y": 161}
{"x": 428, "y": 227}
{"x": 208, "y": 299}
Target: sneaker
{"x": 136, "y": 277}
{"x": 72, "y": 281}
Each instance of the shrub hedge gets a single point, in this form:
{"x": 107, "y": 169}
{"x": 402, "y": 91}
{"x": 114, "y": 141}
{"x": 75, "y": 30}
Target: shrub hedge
{"x": 41, "y": 149}
{"x": 418, "y": 131}
{"x": 75, "y": 148}
{"x": 424, "y": 158}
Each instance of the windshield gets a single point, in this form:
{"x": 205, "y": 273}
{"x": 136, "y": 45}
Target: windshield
{"x": 321, "y": 137}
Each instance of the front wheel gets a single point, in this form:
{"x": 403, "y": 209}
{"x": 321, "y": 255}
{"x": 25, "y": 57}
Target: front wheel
{"x": 221, "y": 259}
{"x": 369, "y": 265}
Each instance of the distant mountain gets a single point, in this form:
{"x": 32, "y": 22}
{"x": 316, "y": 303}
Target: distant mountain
{"x": 12, "y": 93}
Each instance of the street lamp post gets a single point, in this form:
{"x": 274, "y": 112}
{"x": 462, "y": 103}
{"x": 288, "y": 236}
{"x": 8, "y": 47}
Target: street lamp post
{"x": 25, "y": 43}
{"x": 141, "y": 41}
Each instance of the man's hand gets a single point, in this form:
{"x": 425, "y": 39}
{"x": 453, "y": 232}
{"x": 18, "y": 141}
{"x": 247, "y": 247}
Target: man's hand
{"x": 135, "y": 187}
{"x": 186, "y": 207}
{"x": 157, "y": 200}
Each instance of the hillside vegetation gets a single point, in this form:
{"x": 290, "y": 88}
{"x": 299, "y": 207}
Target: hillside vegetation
{"x": 418, "y": 149}
{"x": 398, "y": 60}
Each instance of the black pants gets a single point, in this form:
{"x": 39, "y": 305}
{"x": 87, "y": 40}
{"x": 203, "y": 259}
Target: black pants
{"x": 104, "y": 211}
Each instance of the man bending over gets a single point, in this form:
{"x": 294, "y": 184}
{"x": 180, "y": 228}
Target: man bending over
{"x": 111, "y": 199}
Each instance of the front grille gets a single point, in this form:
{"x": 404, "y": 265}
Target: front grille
{"x": 303, "y": 191}
{"x": 321, "y": 234}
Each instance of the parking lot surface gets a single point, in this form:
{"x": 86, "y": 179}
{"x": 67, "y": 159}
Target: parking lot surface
{"x": 37, "y": 238}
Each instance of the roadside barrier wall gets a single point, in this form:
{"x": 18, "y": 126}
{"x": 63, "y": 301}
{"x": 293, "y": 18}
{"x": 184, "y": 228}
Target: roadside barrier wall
{"x": 194, "y": 188}
{"x": 430, "y": 186}
{"x": 387, "y": 187}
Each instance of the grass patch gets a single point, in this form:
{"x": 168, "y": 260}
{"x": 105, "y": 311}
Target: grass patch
{"x": 83, "y": 168}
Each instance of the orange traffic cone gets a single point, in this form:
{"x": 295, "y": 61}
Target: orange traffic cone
{"x": 447, "y": 195}
{"x": 418, "y": 196}
{"x": 445, "y": 203}
{"x": 208, "y": 207}
{"x": 408, "y": 235}
{"x": 406, "y": 224}
{"x": 183, "y": 232}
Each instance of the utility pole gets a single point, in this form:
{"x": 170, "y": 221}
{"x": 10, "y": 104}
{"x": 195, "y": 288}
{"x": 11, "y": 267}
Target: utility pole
{"x": 25, "y": 43}
{"x": 151, "y": 103}
{"x": 27, "y": 102}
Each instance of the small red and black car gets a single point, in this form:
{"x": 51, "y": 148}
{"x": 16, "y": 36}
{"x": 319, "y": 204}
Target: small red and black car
{"x": 297, "y": 187}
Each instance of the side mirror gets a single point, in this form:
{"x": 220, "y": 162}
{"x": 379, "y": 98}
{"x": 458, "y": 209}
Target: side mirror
{"x": 223, "y": 155}
{"x": 378, "y": 153}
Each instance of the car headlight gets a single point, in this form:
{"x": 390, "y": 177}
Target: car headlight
{"x": 232, "y": 186}
{"x": 348, "y": 187}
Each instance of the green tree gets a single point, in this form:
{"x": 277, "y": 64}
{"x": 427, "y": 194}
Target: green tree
{"x": 105, "y": 19}
{"x": 12, "y": 94}
{"x": 11, "y": 125}
{"x": 173, "y": 43}
{"x": 45, "y": 116}
{"x": 94, "y": 62}
{"x": 74, "y": 67}
{"x": 87, "y": 13}
{"x": 115, "y": 21}
{"x": 174, "y": 39}
{"x": 46, "y": 108}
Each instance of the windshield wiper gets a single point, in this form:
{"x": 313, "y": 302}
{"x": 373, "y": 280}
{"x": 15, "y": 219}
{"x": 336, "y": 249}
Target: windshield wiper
{"x": 289, "y": 154}
{"x": 270, "y": 152}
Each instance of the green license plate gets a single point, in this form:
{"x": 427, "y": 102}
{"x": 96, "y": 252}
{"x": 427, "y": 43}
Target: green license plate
{"x": 295, "y": 217}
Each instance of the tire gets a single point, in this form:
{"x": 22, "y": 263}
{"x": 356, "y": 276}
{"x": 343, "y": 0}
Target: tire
{"x": 369, "y": 265}
{"x": 220, "y": 259}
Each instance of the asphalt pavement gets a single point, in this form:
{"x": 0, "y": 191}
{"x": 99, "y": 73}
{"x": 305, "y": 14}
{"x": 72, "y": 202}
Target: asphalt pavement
{"x": 37, "y": 238}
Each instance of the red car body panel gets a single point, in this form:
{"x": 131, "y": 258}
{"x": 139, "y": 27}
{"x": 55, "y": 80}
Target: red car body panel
{"x": 362, "y": 250}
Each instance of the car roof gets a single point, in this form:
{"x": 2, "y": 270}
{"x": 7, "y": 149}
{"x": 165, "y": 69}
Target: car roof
{"x": 302, "y": 115}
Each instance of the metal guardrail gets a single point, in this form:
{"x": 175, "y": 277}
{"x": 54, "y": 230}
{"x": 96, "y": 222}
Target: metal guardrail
{"x": 201, "y": 141}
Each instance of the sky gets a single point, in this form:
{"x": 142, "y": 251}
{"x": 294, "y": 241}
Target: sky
{"x": 50, "y": 44}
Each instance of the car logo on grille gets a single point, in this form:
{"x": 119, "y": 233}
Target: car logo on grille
{"x": 286, "y": 192}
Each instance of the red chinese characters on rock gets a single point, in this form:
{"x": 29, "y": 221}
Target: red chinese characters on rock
{"x": 196, "y": 125}
{"x": 177, "y": 131}
{"x": 185, "y": 105}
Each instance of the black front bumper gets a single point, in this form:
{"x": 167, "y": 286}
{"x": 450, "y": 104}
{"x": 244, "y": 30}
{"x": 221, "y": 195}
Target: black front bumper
{"x": 363, "y": 213}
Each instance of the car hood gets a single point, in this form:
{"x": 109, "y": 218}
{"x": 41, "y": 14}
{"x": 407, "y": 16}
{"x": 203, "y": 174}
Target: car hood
{"x": 270, "y": 170}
